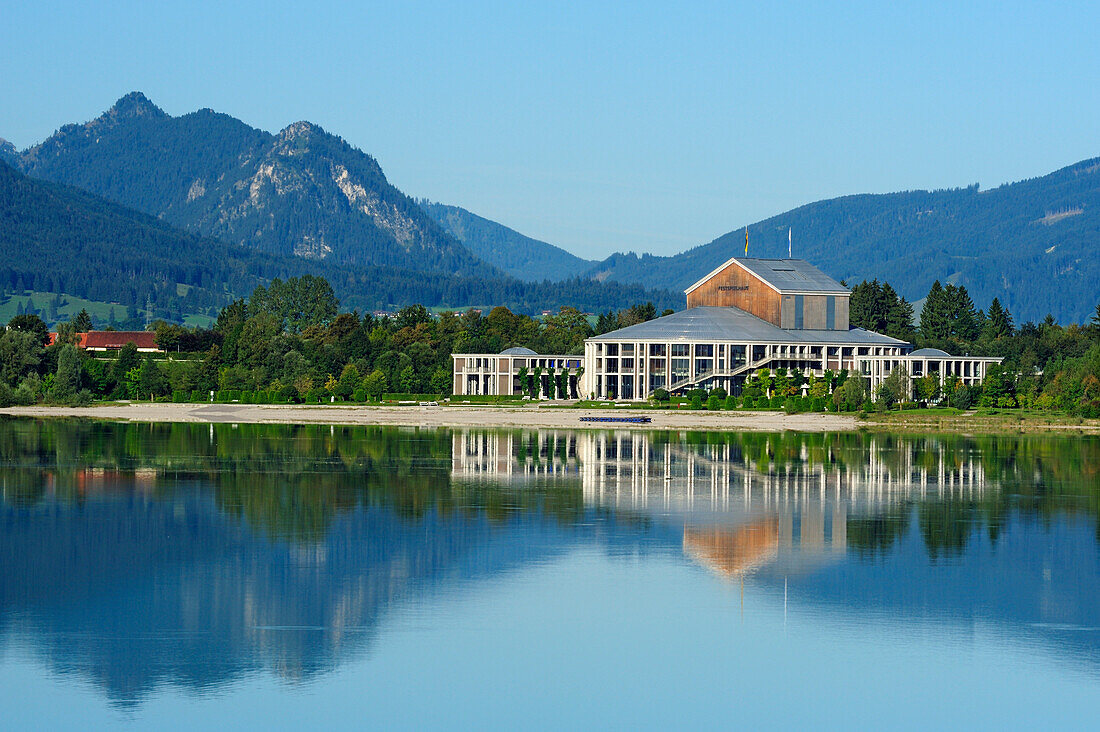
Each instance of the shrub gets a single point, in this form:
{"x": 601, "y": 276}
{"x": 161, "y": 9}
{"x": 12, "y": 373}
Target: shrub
{"x": 179, "y": 396}
{"x": 197, "y": 396}
{"x": 962, "y": 397}
{"x": 660, "y": 395}
{"x": 731, "y": 402}
{"x": 412, "y": 397}
{"x": 763, "y": 402}
{"x": 719, "y": 392}
{"x": 313, "y": 396}
{"x": 288, "y": 393}
{"x": 776, "y": 402}
{"x": 817, "y": 404}
{"x": 791, "y": 405}
{"x": 488, "y": 398}
{"x": 713, "y": 403}
{"x": 696, "y": 402}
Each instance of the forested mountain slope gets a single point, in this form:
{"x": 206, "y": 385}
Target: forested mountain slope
{"x": 518, "y": 255}
{"x": 1034, "y": 244}
{"x": 54, "y": 238}
{"x": 300, "y": 192}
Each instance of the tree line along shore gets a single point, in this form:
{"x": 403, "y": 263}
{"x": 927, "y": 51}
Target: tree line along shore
{"x": 289, "y": 343}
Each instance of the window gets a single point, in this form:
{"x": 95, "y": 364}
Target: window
{"x": 612, "y": 349}
{"x": 657, "y": 349}
{"x": 830, "y": 312}
{"x": 628, "y": 349}
{"x": 627, "y": 364}
{"x": 704, "y": 350}
{"x": 799, "y": 311}
{"x": 657, "y": 365}
{"x": 612, "y": 365}
{"x": 680, "y": 349}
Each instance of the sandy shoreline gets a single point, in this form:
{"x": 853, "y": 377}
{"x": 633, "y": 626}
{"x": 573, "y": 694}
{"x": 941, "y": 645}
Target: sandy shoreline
{"x": 527, "y": 416}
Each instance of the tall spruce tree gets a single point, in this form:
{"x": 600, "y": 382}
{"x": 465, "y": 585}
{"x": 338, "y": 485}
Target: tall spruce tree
{"x": 935, "y": 322}
{"x": 998, "y": 321}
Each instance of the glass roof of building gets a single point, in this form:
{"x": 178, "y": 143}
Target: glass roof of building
{"x": 712, "y": 324}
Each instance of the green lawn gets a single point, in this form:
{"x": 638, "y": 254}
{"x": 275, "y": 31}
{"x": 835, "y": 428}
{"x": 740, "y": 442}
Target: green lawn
{"x": 71, "y": 305}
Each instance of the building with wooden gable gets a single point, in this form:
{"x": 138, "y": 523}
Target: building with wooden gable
{"x": 752, "y": 314}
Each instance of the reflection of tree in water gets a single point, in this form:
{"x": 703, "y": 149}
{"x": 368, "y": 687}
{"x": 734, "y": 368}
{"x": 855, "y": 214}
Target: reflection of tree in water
{"x": 875, "y": 535}
{"x": 332, "y": 525}
{"x": 291, "y": 481}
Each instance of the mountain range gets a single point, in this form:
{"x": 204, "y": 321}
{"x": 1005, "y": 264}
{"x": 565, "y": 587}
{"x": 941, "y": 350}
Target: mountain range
{"x": 300, "y": 192}
{"x": 306, "y": 196}
{"x": 177, "y": 215}
{"x": 59, "y": 239}
{"x": 1034, "y": 244}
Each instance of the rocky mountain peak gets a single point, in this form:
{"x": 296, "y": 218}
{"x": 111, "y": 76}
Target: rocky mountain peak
{"x": 302, "y": 129}
{"x": 8, "y": 153}
{"x": 135, "y": 104}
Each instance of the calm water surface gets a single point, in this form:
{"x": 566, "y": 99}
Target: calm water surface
{"x": 259, "y": 576}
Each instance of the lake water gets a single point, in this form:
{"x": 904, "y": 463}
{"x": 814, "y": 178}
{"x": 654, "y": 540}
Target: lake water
{"x": 194, "y": 576}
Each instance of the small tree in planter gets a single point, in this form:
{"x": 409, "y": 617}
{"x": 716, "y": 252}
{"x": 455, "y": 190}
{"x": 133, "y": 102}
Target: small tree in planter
{"x": 521, "y": 376}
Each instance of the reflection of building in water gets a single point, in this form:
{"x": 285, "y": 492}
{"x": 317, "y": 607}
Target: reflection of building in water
{"x": 517, "y": 454}
{"x": 627, "y": 470}
{"x": 735, "y": 551}
{"x": 736, "y": 517}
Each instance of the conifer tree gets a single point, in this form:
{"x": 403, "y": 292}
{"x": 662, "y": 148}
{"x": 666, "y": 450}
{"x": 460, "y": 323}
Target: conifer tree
{"x": 999, "y": 321}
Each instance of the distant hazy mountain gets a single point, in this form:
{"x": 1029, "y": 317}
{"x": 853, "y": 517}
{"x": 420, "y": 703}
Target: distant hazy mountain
{"x": 302, "y": 192}
{"x": 1033, "y": 244}
{"x": 518, "y": 255}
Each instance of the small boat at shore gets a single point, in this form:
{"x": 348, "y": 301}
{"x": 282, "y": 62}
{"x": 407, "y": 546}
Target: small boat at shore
{"x": 628, "y": 420}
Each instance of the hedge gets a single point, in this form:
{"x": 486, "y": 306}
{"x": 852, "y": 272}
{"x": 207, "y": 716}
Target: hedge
{"x": 488, "y": 398}
{"x": 403, "y": 397}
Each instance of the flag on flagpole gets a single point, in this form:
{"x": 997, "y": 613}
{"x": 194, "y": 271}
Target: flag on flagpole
{"x": 789, "y": 243}
{"x": 746, "y": 241}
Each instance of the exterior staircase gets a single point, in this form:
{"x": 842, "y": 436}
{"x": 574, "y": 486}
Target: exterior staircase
{"x": 703, "y": 376}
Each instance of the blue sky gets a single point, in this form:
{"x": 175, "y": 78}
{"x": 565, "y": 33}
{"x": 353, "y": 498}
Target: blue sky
{"x": 634, "y": 127}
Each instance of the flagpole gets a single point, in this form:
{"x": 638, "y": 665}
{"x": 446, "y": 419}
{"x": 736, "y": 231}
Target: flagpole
{"x": 789, "y": 243}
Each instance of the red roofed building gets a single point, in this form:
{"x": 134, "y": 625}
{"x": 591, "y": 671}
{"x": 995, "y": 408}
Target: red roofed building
{"x": 112, "y": 340}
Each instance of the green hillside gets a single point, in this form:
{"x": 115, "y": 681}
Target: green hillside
{"x": 1034, "y": 244}
{"x": 518, "y": 255}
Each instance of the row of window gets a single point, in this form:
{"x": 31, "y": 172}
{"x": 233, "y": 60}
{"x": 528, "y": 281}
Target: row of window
{"x": 518, "y": 363}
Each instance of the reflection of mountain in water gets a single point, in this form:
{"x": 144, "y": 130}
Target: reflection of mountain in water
{"x": 140, "y": 555}
{"x": 136, "y": 592}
